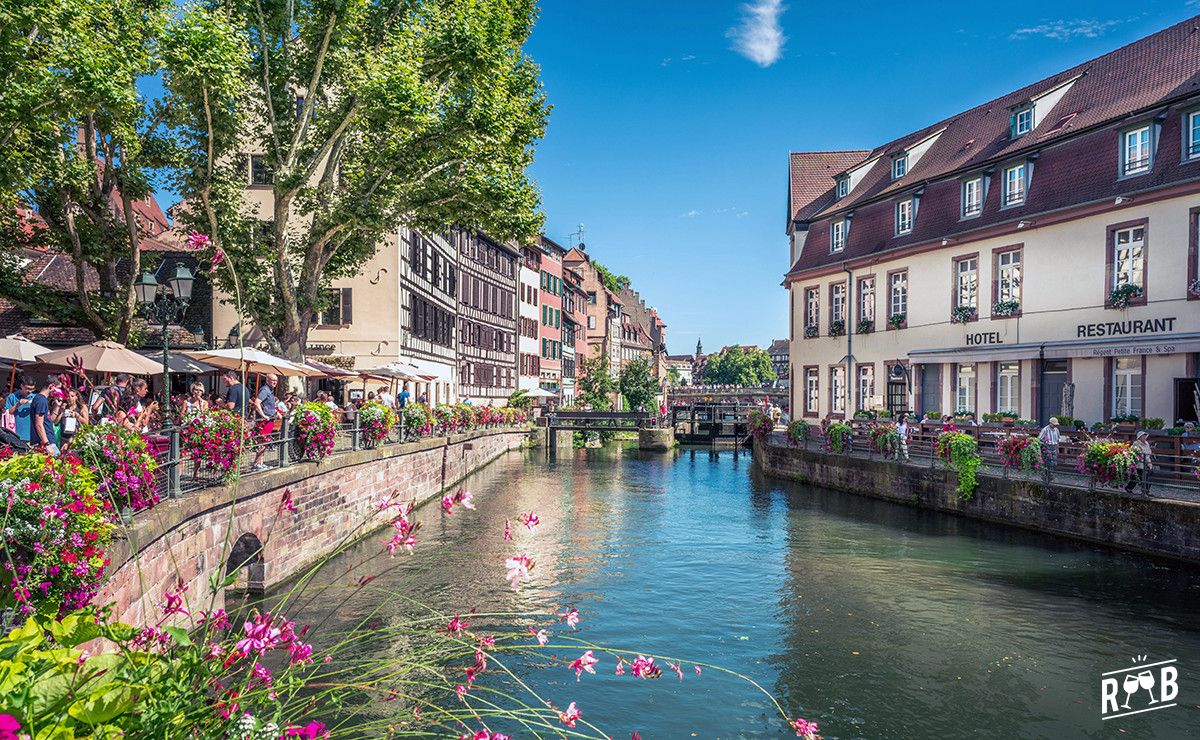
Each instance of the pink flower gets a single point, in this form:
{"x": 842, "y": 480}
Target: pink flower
{"x": 311, "y": 731}
{"x": 457, "y": 626}
{"x": 518, "y": 569}
{"x": 571, "y": 616}
{"x": 530, "y": 520}
{"x": 465, "y": 498}
{"x": 8, "y": 727}
{"x": 570, "y": 716}
{"x": 286, "y": 504}
{"x": 698, "y": 671}
{"x": 448, "y": 504}
{"x": 507, "y": 531}
{"x": 541, "y": 635}
{"x": 461, "y": 691}
{"x": 218, "y": 259}
{"x": 260, "y": 635}
{"x": 805, "y": 729}
{"x": 198, "y": 241}
{"x": 675, "y": 667}
{"x": 635, "y": 736}
{"x": 643, "y": 667}
{"x": 174, "y": 602}
{"x": 620, "y": 667}
{"x": 585, "y": 662}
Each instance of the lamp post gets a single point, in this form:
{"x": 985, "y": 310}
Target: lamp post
{"x": 164, "y": 303}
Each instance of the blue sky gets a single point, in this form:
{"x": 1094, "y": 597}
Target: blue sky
{"x": 673, "y": 121}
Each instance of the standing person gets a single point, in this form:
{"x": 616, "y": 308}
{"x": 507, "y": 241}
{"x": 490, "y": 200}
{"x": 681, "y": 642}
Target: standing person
{"x": 1049, "y": 437}
{"x": 385, "y": 397}
{"x": 1143, "y": 466}
{"x": 264, "y": 413}
{"x": 402, "y": 401}
{"x": 18, "y": 404}
{"x": 41, "y": 423}
{"x": 106, "y": 405}
{"x": 235, "y": 392}
{"x": 74, "y": 415}
{"x": 902, "y": 431}
{"x": 195, "y": 402}
{"x": 134, "y": 413}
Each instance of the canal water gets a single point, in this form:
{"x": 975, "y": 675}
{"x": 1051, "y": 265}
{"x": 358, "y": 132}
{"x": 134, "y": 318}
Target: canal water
{"x": 873, "y": 619}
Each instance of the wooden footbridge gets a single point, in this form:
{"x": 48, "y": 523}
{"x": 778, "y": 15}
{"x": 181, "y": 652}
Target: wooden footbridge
{"x": 710, "y": 422}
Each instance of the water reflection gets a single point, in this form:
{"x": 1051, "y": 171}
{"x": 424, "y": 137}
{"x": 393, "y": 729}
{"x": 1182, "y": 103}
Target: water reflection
{"x": 875, "y": 619}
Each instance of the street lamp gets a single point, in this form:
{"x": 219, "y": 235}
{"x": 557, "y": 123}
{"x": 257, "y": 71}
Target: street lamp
{"x": 164, "y": 303}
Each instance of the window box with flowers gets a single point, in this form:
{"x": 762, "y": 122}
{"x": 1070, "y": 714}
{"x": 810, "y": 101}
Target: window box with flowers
{"x": 1193, "y": 288}
{"x": 811, "y": 332}
{"x": 865, "y": 326}
{"x": 962, "y": 314}
{"x": 897, "y": 321}
{"x": 1006, "y": 308}
{"x": 1124, "y": 295}
{"x": 837, "y": 328}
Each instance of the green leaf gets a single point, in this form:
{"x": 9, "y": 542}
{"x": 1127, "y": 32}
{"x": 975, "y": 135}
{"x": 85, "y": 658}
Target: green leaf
{"x": 180, "y": 634}
{"x": 74, "y": 630}
{"x": 103, "y": 705}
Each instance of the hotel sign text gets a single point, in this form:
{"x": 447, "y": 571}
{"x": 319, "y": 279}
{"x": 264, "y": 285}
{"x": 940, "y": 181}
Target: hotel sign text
{"x": 1122, "y": 328}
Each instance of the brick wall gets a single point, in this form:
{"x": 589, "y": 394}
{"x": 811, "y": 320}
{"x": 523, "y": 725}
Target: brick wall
{"x": 191, "y": 538}
{"x": 1163, "y": 527}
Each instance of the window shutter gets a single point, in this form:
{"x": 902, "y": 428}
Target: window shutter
{"x": 347, "y": 306}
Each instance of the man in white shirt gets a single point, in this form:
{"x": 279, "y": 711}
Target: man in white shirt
{"x": 1049, "y": 437}
{"x": 385, "y": 397}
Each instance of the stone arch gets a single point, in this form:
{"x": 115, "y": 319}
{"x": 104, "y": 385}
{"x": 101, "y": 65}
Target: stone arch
{"x": 246, "y": 559}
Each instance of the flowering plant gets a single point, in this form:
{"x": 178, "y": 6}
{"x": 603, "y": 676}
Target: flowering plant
{"x": 837, "y": 328}
{"x": 124, "y": 467}
{"x": 315, "y": 430}
{"x": 866, "y": 326}
{"x": 797, "y": 431}
{"x": 1005, "y": 308}
{"x": 1107, "y": 461}
{"x": 465, "y": 416}
{"x": 1020, "y": 451}
{"x": 962, "y": 314}
{"x": 56, "y": 528}
{"x": 896, "y": 320}
{"x": 838, "y": 437}
{"x": 214, "y": 439}
{"x": 886, "y": 440}
{"x": 811, "y": 331}
{"x": 375, "y": 422}
{"x": 759, "y": 423}
{"x": 962, "y": 452}
{"x": 1123, "y": 295}
{"x": 417, "y": 419}
{"x": 1194, "y": 287}
{"x": 445, "y": 417}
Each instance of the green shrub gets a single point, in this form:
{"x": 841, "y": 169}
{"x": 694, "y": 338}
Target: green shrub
{"x": 962, "y": 453}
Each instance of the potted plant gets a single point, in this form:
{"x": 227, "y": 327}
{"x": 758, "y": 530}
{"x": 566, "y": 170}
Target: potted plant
{"x": 866, "y": 326}
{"x": 965, "y": 416}
{"x": 837, "y": 328}
{"x": 1194, "y": 287}
{"x": 864, "y": 414}
{"x": 1107, "y": 462}
{"x": 797, "y": 432}
{"x": 896, "y": 321}
{"x": 1125, "y": 423}
{"x": 1123, "y": 295}
{"x": 962, "y": 314}
{"x": 811, "y": 331}
{"x": 1006, "y": 308}
{"x": 933, "y": 417}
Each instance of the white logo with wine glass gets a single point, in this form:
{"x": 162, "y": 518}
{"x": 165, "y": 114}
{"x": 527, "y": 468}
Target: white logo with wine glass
{"x": 1144, "y": 687}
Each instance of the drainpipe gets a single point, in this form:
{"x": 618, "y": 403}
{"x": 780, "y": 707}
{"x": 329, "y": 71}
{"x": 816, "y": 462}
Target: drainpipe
{"x": 1041, "y": 382}
{"x": 850, "y": 380}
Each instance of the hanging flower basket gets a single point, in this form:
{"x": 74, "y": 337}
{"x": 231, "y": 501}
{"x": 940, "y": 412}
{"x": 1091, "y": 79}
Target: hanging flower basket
{"x": 315, "y": 430}
{"x": 797, "y": 432}
{"x": 759, "y": 423}
{"x": 1020, "y": 451}
{"x": 214, "y": 439}
{"x": 1123, "y": 295}
{"x": 838, "y": 437}
{"x": 962, "y": 314}
{"x": 837, "y": 328}
{"x": 375, "y": 423}
{"x": 1107, "y": 462}
{"x": 1006, "y": 308}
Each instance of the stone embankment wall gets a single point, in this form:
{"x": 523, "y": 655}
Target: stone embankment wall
{"x": 190, "y": 538}
{"x": 1165, "y": 527}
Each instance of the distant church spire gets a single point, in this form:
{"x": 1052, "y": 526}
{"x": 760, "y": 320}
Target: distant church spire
{"x": 699, "y": 347}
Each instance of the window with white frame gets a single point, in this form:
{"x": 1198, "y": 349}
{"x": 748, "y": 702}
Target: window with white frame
{"x": 972, "y": 197}
{"x": 1135, "y": 151}
{"x": 1127, "y": 386}
{"x": 1008, "y": 277}
{"x": 904, "y": 216}
{"x": 899, "y": 166}
{"x": 964, "y": 389}
{"x": 866, "y": 299}
{"x": 898, "y": 294}
{"x": 812, "y": 390}
{"x": 1022, "y": 121}
{"x": 1014, "y": 184}
{"x": 837, "y": 235}
{"x": 1008, "y": 387}
{"x": 837, "y": 302}
{"x": 966, "y": 274}
{"x": 843, "y": 186}
{"x": 1129, "y": 256}
{"x": 1192, "y": 135}
{"x": 812, "y": 307}
{"x": 837, "y": 389}
{"x": 866, "y": 385}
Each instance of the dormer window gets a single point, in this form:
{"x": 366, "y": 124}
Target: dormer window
{"x": 843, "y": 186}
{"x": 899, "y": 166}
{"x": 904, "y": 216}
{"x": 1016, "y": 182}
{"x": 1135, "y": 151}
{"x": 837, "y": 235}
{"x": 972, "y": 197}
{"x": 1192, "y": 135}
{"x": 1021, "y": 122}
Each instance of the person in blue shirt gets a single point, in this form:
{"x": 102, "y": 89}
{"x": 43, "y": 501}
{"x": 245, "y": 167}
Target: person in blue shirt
{"x": 42, "y": 425}
{"x": 403, "y": 401}
{"x": 18, "y": 404}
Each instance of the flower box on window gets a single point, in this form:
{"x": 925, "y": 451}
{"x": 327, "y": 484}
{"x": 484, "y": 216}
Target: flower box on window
{"x": 837, "y": 328}
{"x": 1194, "y": 288}
{"x": 866, "y": 326}
{"x": 1006, "y": 308}
{"x": 896, "y": 320}
{"x": 1123, "y": 295}
{"x": 811, "y": 331}
{"x": 962, "y": 314}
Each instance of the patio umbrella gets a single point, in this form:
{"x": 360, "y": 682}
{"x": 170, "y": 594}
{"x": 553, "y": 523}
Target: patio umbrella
{"x": 540, "y": 393}
{"x": 252, "y": 361}
{"x": 102, "y": 357}
{"x": 330, "y": 371}
{"x": 394, "y": 370}
{"x": 19, "y": 349}
{"x": 181, "y": 363}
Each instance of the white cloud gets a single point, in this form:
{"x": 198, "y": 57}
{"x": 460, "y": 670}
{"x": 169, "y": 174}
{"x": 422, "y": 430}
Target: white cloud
{"x": 1065, "y": 30}
{"x": 690, "y": 57}
{"x": 759, "y": 37}
{"x": 690, "y": 214}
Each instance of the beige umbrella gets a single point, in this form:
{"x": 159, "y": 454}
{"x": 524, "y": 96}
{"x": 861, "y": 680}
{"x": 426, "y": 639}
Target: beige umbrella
{"x": 102, "y": 357}
{"x": 252, "y": 361}
{"x": 19, "y": 349}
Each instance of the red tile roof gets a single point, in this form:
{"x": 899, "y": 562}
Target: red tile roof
{"x": 810, "y": 179}
{"x": 1075, "y": 143}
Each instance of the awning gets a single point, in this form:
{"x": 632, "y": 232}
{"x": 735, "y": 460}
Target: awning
{"x": 1155, "y": 344}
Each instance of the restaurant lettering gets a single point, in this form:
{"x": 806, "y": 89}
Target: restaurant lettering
{"x": 1121, "y": 328}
